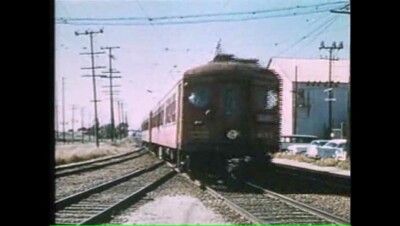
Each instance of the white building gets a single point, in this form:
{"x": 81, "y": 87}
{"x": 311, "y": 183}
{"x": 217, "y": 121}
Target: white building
{"x": 311, "y": 115}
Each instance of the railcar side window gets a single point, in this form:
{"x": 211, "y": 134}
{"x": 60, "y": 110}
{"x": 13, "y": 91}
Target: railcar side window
{"x": 170, "y": 109}
{"x": 199, "y": 97}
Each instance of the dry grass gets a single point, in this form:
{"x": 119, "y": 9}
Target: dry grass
{"x": 70, "y": 153}
{"x": 326, "y": 162}
{"x": 302, "y": 158}
{"x": 321, "y": 162}
{"x": 344, "y": 165}
{"x": 284, "y": 155}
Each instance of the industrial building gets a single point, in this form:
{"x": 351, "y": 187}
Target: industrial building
{"x": 305, "y": 96}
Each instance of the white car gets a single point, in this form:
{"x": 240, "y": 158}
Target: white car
{"x": 296, "y": 149}
{"x": 329, "y": 150}
{"x": 341, "y": 153}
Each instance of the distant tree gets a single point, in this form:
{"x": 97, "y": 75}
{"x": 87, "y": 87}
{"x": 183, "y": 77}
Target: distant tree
{"x": 82, "y": 129}
{"x": 105, "y": 131}
{"x": 122, "y": 129}
{"x": 91, "y": 130}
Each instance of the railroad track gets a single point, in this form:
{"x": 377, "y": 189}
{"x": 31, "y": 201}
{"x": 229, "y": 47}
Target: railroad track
{"x": 97, "y": 163}
{"x": 98, "y": 204}
{"x": 262, "y": 206}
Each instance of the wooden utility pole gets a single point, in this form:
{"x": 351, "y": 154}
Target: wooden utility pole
{"x": 93, "y": 75}
{"x": 82, "y": 124}
{"x": 63, "y": 108}
{"x": 73, "y": 121}
{"x": 111, "y": 92}
{"x": 330, "y": 98}
{"x": 295, "y": 101}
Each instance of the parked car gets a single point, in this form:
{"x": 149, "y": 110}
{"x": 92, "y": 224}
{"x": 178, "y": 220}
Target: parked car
{"x": 319, "y": 143}
{"x": 297, "y": 149}
{"x": 302, "y": 148}
{"x": 289, "y": 140}
{"x": 328, "y": 150}
{"x": 341, "y": 153}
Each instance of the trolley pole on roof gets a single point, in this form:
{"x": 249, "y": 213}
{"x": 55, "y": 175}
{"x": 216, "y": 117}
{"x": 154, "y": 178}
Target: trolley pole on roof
{"x": 92, "y": 68}
{"x": 218, "y": 49}
{"x": 110, "y": 76}
{"x": 330, "y": 90}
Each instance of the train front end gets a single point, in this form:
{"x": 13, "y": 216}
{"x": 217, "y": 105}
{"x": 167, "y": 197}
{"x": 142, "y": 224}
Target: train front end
{"x": 231, "y": 110}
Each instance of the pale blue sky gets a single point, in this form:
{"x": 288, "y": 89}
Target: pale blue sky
{"x": 144, "y": 61}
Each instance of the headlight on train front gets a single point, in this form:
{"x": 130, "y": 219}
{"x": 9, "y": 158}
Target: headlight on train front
{"x": 232, "y": 134}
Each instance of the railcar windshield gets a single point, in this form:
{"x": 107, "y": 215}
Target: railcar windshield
{"x": 230, "y": 99}
{"x": 265, "y": 98}
{"x": 200, "y": 96}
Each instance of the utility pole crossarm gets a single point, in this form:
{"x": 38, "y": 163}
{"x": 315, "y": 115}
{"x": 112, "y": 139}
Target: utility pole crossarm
{"x": 90, "y": 68}
{"x": 98, "y": 76}
{"x": 92, "y": 53}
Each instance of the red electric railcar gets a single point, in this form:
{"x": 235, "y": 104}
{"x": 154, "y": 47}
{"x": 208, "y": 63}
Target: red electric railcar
{"x": 227, "y": 109}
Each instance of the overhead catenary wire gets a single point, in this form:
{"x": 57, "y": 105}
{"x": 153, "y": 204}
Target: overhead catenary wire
{"x": 305, "y": 36}
{"x": 318, "y": 34}
{"x": 299, "y": 29}
{"x": 193, "y": 21}
{"x": 200, "y": 18}
{"x": 297, "y": 7}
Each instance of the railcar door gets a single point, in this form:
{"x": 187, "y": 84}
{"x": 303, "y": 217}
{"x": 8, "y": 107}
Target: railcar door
{"x": 231, "y": 124}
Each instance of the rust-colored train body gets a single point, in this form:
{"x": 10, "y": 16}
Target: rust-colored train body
{"x": 228, "y": 108}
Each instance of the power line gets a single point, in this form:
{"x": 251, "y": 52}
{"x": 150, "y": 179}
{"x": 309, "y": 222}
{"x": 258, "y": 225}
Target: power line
{"x": 317, "y": 35}
{"x": 144, "y": 12}
{"x": 299, "y": 29}
{"x": 254, "y": 15}
{"x": 297, "y": 7}
{"x": 343, "y": 10}
{"x": 194, "y": 21}
{"x": 305, "y": 36}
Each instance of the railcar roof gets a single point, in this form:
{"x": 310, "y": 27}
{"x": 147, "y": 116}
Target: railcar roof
{"x": 226, "y": 62}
